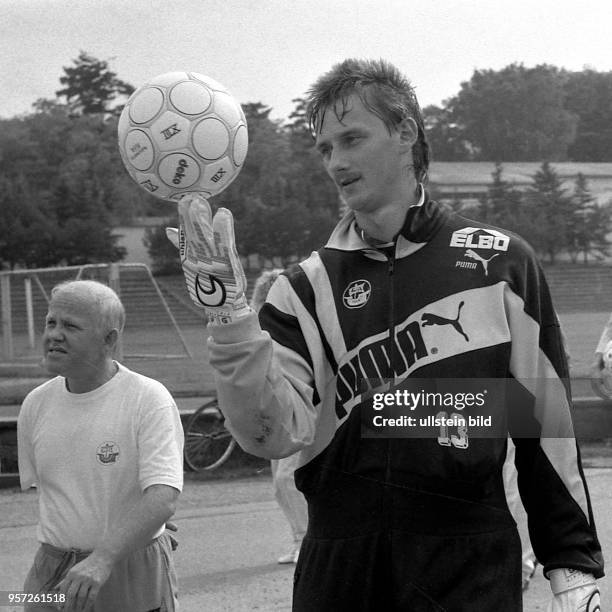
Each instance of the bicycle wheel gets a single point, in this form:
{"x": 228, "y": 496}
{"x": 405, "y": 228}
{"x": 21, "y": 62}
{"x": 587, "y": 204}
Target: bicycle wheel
{"x": 601, "y": 389}
{"x": 207, "y": 442}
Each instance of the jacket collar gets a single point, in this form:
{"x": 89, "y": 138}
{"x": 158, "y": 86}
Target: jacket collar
{"x": 422, "y": 222}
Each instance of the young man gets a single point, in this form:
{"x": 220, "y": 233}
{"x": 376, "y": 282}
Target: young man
{"x": 404, "y": 289}
{"x": 103, "y": 445}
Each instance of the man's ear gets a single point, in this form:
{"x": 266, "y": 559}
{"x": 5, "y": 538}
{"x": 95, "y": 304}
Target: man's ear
{"x": 408, "y": 131}
{"x": 111, "y": 339}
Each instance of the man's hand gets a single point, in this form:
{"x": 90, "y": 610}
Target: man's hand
{"x": 213, "y": 272}
{"x": 83, "y": 582}
{"x": 170, "y": 526}
{"x": 573, "y": 591}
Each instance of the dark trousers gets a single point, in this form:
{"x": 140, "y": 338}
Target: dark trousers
{"x": 401, "y": 571}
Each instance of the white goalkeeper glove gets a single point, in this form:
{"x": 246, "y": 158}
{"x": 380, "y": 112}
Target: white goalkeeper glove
{"x": 213, "y": 272}
{"x": 573, "y": 591}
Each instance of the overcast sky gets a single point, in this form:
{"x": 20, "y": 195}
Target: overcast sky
{"x": 270, "y": 51}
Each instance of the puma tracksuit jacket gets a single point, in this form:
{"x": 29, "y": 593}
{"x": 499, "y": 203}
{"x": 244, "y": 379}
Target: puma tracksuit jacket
{"x": 411, "y": 523}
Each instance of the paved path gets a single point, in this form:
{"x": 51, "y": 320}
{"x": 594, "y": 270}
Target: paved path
{"x": 230, "y": 535}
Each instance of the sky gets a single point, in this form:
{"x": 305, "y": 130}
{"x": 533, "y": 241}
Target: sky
{"x": 271, "y": 51}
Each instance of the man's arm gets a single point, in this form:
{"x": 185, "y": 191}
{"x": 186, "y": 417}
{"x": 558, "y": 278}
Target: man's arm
{"x": 550, "y": 476}
{"x": 265, "y": 390}
{"x": 25, "y": 455}
{"x": 129, "y": 532}
{"x": 265, "y": 387}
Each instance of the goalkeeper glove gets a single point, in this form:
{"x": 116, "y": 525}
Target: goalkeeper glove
{"x": 573, "y": 591}
{"x": 213, "y": 272}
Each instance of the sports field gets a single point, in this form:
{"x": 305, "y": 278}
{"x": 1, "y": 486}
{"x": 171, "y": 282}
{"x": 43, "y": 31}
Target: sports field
{"x": 185, "y": 374}
{"x": 231, "y": 531}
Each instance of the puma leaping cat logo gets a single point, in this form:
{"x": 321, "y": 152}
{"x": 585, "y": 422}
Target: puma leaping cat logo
{"x": 485, "y": 262}
{"x": 428, "y": 318}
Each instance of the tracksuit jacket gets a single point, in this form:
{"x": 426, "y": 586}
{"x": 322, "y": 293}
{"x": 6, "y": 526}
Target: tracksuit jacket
{"x": 411, "y": 523}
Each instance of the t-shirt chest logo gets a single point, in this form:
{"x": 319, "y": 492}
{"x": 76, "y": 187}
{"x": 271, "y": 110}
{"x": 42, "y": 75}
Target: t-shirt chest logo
{"x": 107, "y": 453}
{"x": 357, "y": 294}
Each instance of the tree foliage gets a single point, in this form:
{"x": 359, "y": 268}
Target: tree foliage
{"x": 515, "y": 114}
{"x": 552, "y": 219}
{"x": 525, "y": 114}
{"x": 63, "y": 187}
{"x": 588, "y": 95}
{"x": 283, "y": 202}
{"x": 551, "y": 211}
{"x": 446, "y": 138}
{"x": 90, "y": 87}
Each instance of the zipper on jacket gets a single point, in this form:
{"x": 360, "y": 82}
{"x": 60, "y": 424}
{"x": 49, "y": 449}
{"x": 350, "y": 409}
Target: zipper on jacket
{"x": 392, "y": 348}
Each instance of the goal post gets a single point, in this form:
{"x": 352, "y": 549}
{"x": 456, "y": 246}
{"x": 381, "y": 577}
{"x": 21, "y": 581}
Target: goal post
{"x": 25, "y": 294}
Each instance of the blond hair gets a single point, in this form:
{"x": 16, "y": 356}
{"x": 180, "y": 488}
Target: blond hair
{"x": 109, "y": 307}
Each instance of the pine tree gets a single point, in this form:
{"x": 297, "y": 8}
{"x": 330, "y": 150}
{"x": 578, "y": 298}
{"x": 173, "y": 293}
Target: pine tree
{"x": 91, "y": 87}
{"x": 550, "y": 211}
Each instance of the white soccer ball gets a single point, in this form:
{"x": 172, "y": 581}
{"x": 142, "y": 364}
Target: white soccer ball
{"x": 182, "y": 132}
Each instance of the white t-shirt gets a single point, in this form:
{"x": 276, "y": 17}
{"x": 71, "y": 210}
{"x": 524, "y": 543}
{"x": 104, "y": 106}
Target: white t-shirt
{"x": 91, "y": 455}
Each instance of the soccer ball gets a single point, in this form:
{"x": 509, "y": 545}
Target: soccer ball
{"x": 182, "y": 132}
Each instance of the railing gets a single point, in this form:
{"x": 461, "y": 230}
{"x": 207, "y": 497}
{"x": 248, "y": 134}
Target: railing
{"x": 32, "y": 277}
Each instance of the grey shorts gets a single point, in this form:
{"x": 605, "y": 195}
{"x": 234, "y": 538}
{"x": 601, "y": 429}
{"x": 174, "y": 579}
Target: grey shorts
{"x": 145, "y": 581}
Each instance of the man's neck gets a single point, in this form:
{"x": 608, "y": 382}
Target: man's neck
{"x": 385, "y": 223}
{"x": 91, "y": 381}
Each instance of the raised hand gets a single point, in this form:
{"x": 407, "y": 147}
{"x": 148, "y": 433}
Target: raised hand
{"x": 213, "y": 272}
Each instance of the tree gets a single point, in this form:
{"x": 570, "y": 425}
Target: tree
{"x": 502, "y": 204}
{"x": 60, "y": 178}
{"x": 309, "y": 184}
{"x": 589, "y": 224}
{"x": 515, "y": 114}
{"x": 164, "y": 255}
{"x": 26, "y": 236}
{"x": 264, "y": 174}
{"x": 292, "y": 230}
{"x": 550, "y": 212}
{"x": 281, "y": 200}
{"x": 588, "y": 95}
{"x": 91, "y": 87}
{"x": 445, "y": 137}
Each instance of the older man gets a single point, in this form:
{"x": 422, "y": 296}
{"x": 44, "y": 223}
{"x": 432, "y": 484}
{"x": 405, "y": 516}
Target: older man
{"x": 103, "y": 445}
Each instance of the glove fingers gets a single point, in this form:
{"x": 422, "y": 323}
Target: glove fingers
{"x": 196, "y": 223}
{"x": 223, "y": 228}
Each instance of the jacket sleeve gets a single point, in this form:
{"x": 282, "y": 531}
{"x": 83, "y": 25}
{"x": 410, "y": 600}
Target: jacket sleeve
{"x": 550, "y": 476}
{"x": 266, "y": 379}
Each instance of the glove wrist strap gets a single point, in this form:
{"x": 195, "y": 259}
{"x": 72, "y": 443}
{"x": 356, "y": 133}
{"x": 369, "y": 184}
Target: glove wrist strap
{"x": 229, "y": 314}
{"x": 564, "y": 579}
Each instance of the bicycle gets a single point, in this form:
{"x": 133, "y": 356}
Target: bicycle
{"x": 208, "y": 444}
